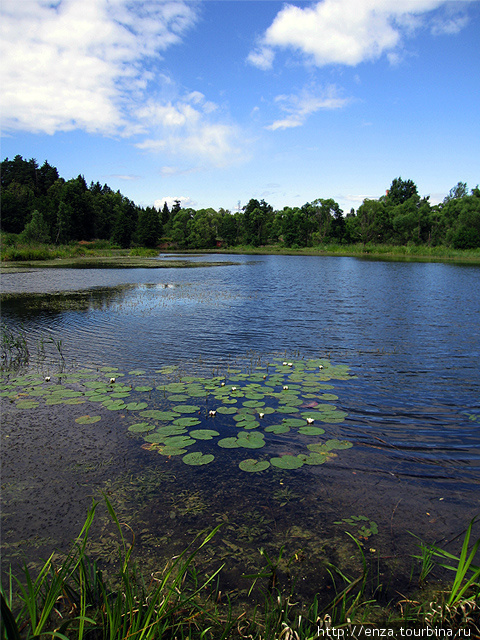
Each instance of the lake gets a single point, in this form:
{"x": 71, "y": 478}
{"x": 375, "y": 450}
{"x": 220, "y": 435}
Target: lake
{"x": 381, "y": 413}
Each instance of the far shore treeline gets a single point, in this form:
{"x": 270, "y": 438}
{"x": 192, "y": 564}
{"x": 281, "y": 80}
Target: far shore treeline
{"x": 41, "y": 207}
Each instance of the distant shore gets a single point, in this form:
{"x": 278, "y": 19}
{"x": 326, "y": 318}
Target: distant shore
{"x": 100, "y": 255}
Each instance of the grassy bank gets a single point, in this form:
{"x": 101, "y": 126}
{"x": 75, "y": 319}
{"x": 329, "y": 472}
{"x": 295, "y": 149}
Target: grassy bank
{"x": 103, "y": 253}
{"x": 70, "y": 597}
{"x": 386, "y": 252}
{"x": 91, "y": 255}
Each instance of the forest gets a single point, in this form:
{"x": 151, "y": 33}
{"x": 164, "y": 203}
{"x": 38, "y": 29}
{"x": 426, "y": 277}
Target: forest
{"x": 41, "y": 207}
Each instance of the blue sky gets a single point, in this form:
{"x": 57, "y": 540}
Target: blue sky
{"x": 215, "y": 102}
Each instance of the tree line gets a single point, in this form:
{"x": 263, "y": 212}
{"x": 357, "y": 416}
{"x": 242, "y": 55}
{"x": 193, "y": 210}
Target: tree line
{"x": 41, "y": 206}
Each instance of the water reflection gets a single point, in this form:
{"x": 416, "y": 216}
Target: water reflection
{"x": 409, "y": 331}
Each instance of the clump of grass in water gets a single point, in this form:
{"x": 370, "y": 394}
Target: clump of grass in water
{"x": 74, "y": 600}
{"x": 15, "y": 352}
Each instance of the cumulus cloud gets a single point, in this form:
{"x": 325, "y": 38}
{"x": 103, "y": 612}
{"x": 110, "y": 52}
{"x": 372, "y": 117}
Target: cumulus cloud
{"x": 90, "y": 65}
{"x": 170, "y": 201}
{"x": 76, "y": 64}
{"x": 347, "y": 32}
{"x": 179, "y": 128}
{"x": 299, "y": 107}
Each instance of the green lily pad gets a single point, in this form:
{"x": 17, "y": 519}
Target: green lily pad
{"x": 228, "y": 443}
{"x": 227, "y": 410}
{"x": 143, "y": 388}
{"x": 338, "y": 444}
{"x": 277, "y": 428}
{"x": 252, "y": 440}
{"x": 187, "y": 408}
{"x": 313, "y": 459}
{"x": 311, "y": 431}
{"x": 154, "y": 438}
{"x": 179, "y": 441}
{"x": 287, "y": 409}
{"x": 171, "y": 451}
{"x": 27, "y": 404}
{"x": 136, "y": 406}
{"x": 196, "y": 458}
{"x": 333, "y": 417}
{"x": 137, "y": 372}
{"x": 174, "y": 387}
{"x": 179, "y": 397}
{"x": 115, "y": 406}
{"x": 287, "y": 462}
{"x": 186, "y": 422}
{"x": 160, "y": 415}
{"x": 253, "y": 466}
{"x": 248, "y": 424}
{"x": 203, "y": 434}
{"x": 88, "y": 419}
{"x": 140, "y": 427}
{"x": 294, "y": 422}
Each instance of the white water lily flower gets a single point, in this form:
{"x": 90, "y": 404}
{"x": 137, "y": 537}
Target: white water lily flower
{"x": 47, "y": 378}
{"x": 260, "y": 415}
{"x": 234, "y": 388}
{"x": 285, "y": 387}
{"x": 212, "y": 413}
{"x": 112, "y": 380}
{"x": 310, "y": 420}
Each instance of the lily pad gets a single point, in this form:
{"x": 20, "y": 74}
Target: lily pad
{"x": 287, "y": 409}
{"x": 311, "y": 431}
{"x": 287, "y": 462}
{"x": 179, "y": 441}
{"x": 137, "y": 372}
{"x": 294, "y": 422}
{"x": 277, "y": 428}
{"x": 227, "y": 410}
{"x": 136, "y": 406}
{"x": 171, "y": 451}
{"x": 338, "y": 444}
{"x": 143, "y": 388}
{"x": 27, "y": 404}
{"x": 313, "y": 458}
{"x": 88, "y": 419}
{"x": 140, "y": 427}
{"x": 197, "y": 458}
{"x": 160, "y": 415}
{"x": 253, "y": 466}
{"x": 179, "y": 397}
{"x": 186, "y": 408}
{"x": 203, "y": 434}
{"x": 254, "y": 440}
{"x": 228, "y": 443}
{"x": 186, "y": 422}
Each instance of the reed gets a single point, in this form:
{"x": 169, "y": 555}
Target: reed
{"x": 72, "y": 599}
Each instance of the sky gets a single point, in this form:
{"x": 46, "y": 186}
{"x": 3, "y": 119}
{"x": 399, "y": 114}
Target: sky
{"x": 215, "y": 102}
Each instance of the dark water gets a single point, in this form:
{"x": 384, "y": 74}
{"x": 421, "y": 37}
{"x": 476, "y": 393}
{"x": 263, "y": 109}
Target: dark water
{"x": 410, "y": 333}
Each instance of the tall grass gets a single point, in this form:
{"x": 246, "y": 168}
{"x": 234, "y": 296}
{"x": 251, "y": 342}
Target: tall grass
{"x": 72, "y": 599}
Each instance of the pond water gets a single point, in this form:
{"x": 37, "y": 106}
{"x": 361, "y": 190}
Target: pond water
{"x": 388, "y": 351}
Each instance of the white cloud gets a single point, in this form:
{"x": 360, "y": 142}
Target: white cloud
{"x": 300, "y": 107}
{"x": 76, "y": 64}
{"x": 181, "y": 129}
{"x": 262, "y": 58}
{"x": 89, "y": 65}
{"x": 170, "y": 200}
{"x": 346, "y": 32}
